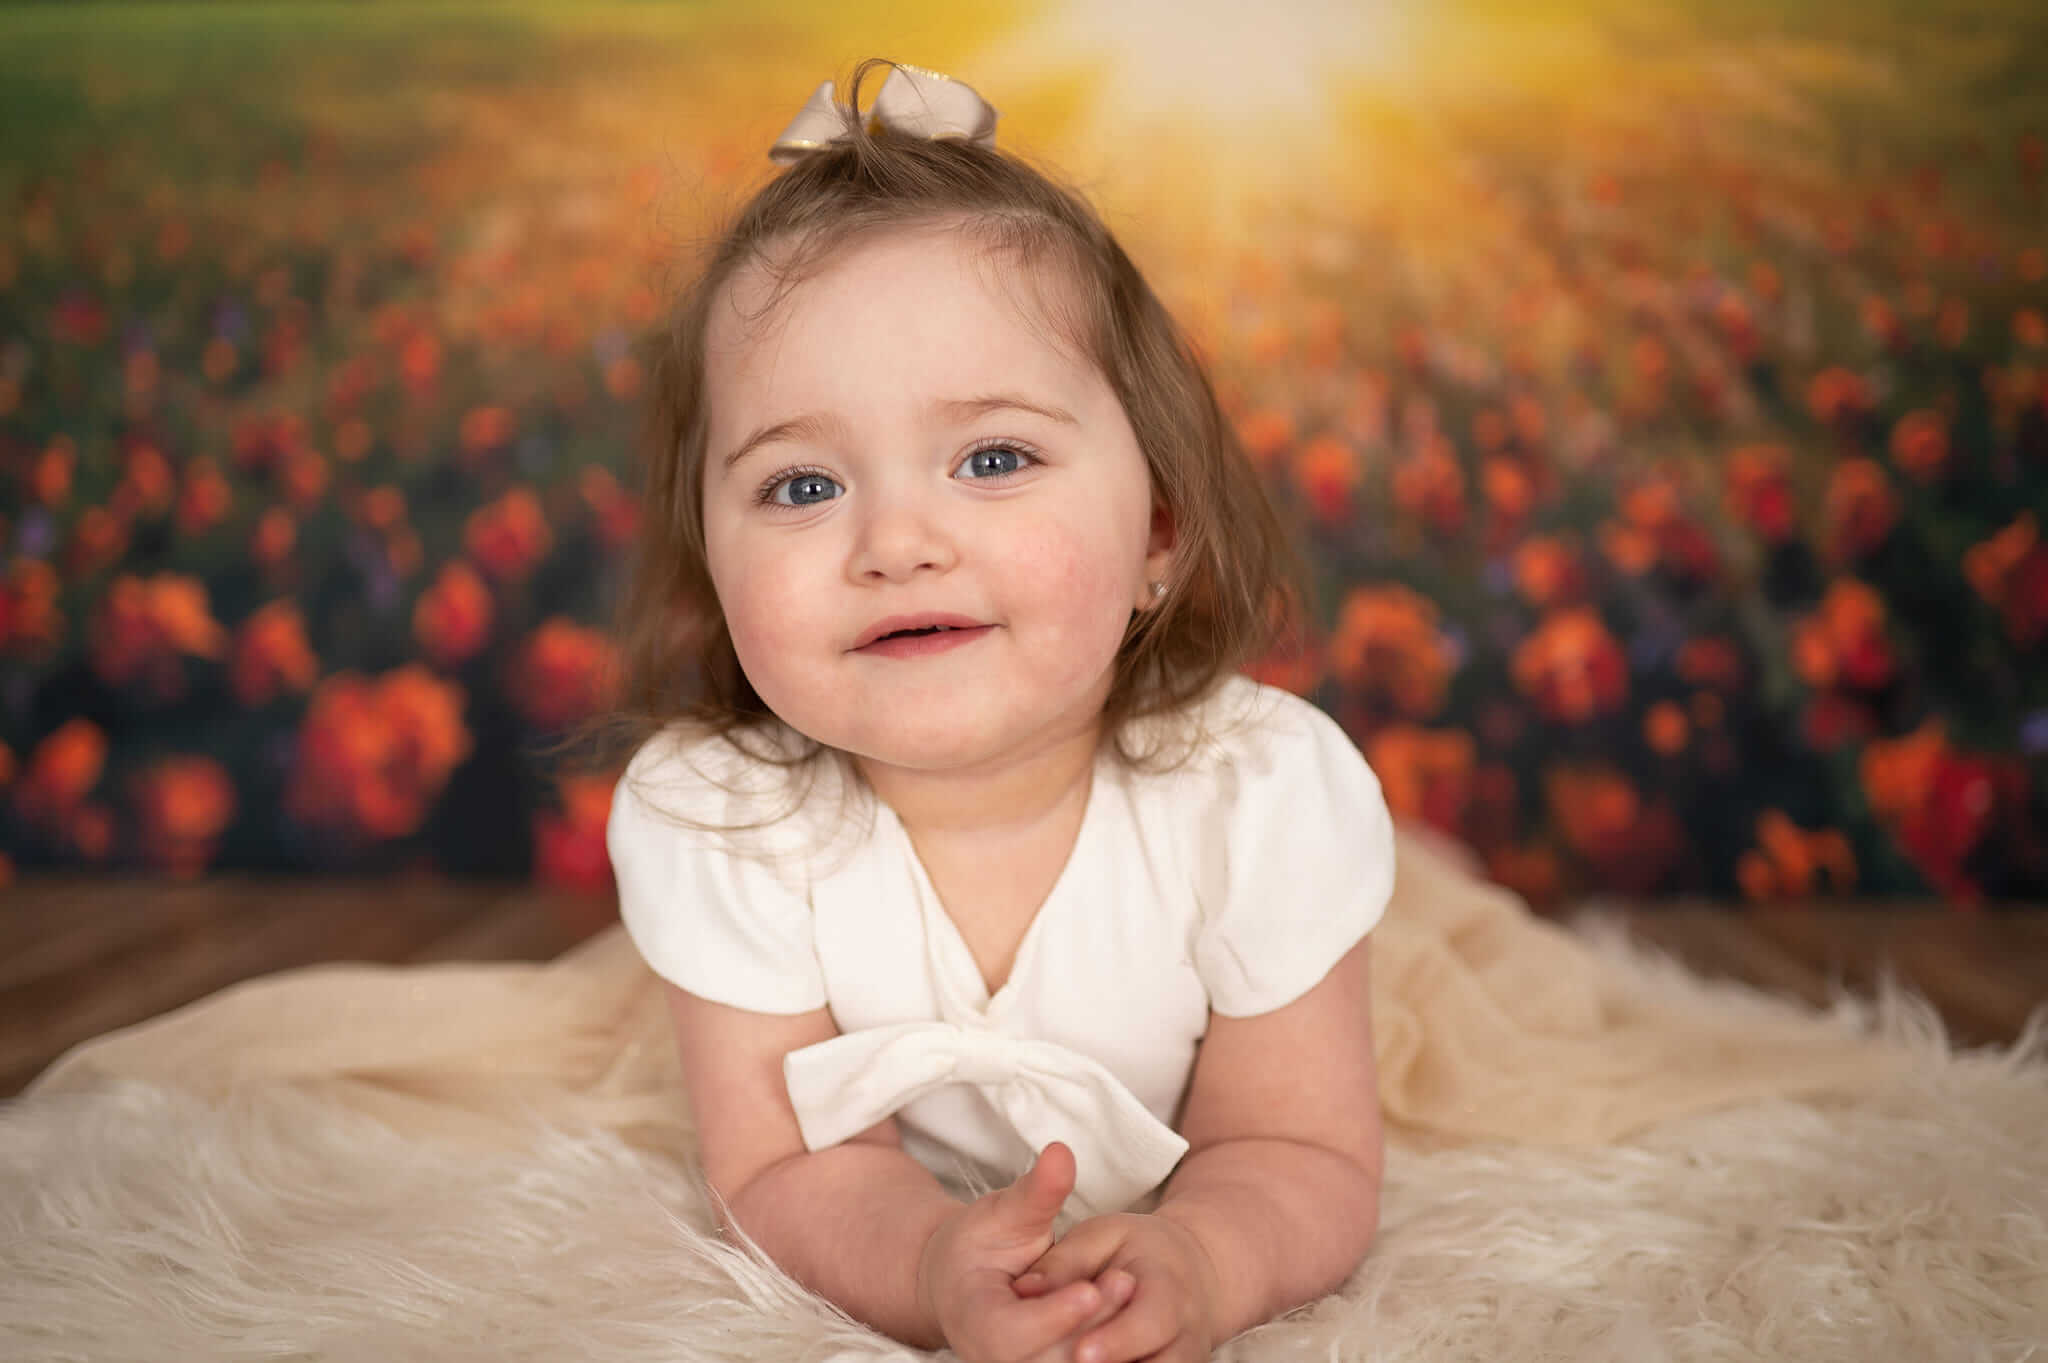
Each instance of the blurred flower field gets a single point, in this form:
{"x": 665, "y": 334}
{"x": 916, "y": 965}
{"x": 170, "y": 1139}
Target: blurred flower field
{"x": 1671, "y": 451}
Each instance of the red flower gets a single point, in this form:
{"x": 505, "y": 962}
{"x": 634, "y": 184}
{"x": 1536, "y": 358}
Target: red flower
{"x": 563, "y": 674}
{"x": 182, "y": 805}
{"x": 1571, "y": 667}
{"x": 569, "y": 847}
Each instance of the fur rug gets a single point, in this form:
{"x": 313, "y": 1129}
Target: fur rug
{"x": 139, "y": 1222}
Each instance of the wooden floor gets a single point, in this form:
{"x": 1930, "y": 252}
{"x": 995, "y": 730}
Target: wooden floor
{"x": 83, "y": 955}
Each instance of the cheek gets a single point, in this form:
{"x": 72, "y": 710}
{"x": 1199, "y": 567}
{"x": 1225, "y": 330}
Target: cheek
{"x": 763, "y": 599}
{"x": 1082, "y": 586}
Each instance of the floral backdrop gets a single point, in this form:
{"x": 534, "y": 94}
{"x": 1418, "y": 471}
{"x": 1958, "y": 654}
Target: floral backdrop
{"x": 1662, "y": 401}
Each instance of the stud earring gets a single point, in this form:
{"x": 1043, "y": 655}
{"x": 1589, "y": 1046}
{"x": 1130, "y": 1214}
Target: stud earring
{"x": 1158, "y": 590}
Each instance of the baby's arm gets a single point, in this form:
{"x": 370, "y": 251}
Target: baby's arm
{"x": 853, "y": 1222}
{"x": 1281, "y": 1184}
{"x": 1278, "y": 1198}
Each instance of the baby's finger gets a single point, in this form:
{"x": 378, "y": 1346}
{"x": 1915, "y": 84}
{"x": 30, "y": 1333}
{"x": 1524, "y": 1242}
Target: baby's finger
{"x": 1081, "y": 1254}
{"x": 1021, "y": 1328}
{"x": 1144, "y": 1327}
{"x": 1116, "y": 1288}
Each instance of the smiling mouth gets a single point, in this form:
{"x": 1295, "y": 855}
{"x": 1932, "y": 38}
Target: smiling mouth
{"x": 922, "y": 639}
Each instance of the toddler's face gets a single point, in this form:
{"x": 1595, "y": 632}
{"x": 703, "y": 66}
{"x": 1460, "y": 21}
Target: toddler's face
{"x": 914, "y": 449}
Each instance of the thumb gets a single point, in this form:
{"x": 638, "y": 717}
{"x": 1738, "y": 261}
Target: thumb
{"x": 1039, "y": 1192}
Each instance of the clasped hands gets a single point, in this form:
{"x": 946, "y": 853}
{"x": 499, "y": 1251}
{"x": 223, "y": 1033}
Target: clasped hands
{"x": 1115, "y": 1289}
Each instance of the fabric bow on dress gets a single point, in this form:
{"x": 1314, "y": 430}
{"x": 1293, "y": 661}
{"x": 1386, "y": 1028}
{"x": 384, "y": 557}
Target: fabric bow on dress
{"x": 912, "y": 102}
{"x": 1045, "y": 1091}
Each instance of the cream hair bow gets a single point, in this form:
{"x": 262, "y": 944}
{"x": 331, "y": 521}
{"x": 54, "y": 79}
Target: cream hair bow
{"x": 912, "y": 101}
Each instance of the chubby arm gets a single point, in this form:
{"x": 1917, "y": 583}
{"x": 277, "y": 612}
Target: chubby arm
{"x": 861, "y": 1223}
{"x": 1281, "y": 1182}
{"x": 848, "y": 1222}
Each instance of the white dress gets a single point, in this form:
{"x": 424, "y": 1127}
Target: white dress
{"x": 1232, "y": 883}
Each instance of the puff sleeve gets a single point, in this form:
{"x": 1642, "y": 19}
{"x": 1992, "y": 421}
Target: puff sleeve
{"x": 721, "y": 921}
{"x": 1297, "y": 861}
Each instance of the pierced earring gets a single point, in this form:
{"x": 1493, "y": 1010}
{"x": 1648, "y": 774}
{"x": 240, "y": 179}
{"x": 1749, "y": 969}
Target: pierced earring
{"x": 1158, "y": 590}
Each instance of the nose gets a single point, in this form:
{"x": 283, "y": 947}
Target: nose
{"x": 900, "y": 535}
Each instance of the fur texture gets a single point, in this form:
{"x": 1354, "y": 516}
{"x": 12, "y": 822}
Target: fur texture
{"x": 137, "y": 1222}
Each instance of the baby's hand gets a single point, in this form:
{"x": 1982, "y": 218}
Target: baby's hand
{"x": 1153, "y": 1261}
{"x": 965, "y": 1274}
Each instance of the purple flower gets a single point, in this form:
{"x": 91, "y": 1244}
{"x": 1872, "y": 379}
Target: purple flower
{"x": 36, "y": 536}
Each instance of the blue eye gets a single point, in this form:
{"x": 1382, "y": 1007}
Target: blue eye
{"x": 801, "y": 489}
{"x": 994, "y": 461}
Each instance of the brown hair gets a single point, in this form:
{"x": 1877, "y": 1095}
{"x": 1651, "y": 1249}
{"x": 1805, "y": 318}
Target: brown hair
{"x": 1235, "y": 575}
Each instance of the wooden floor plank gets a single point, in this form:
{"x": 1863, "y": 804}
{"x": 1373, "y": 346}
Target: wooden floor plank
{"x": 80, "y": 956}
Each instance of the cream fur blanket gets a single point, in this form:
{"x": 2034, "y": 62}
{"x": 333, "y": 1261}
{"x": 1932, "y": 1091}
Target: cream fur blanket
{"x": 1593, "y": 1156}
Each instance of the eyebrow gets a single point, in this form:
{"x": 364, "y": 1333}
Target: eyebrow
{"x": 815, "y": 425}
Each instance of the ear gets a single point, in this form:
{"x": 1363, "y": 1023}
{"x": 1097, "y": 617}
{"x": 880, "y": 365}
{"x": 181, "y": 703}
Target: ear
{"x": 1159, "y": 546}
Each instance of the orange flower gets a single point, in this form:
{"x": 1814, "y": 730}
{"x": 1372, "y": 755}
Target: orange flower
{"x": 1425, "y": 774}
{"x": 1655, "y": 531}
{"x": 1512, "y": 485}
{"x": 1530, "y": 870}
{"x": 147, "y": 485}
{"x": 2030, "y": 328}
{"x": 1603, "y": 819}
{"x": 509, "y": 536}
{"x": 1548, "y": 572}
{"x": 483, "y": 430}
{"x": 1295, "y": 661}
{"x": 2010, "y": 571}
{"x": 1571, "y": 667}
{"x": 182, "y": 805}
{"x": 373, "y": 755}
{"x": 142, "y": 627}
{"x": 50, "y": 476}
{"x": 569, "y": 847}
{"x": 274, "y": 538}
{"x": 302, "y": 477}
{"x": 453, "y": 618}
{"x": 205, "y": 498}
{"x": 1760, "y": 491}
{"x": 1387, "y": 646}
{"x": 1429, "y": 487}
{"x": 98, "y": 538}
{"x": 1920, "y": 444}
{"x": 90, "y": 831}
{"x": 1265, "y": 435}
{"x": 1843, "y": 643}
{"x": 563, "y": 674}
{"x": 1787, "y": 860}
{"x": 1952, "y": 322}
{"x": 616, "y": 513}
{"x": 380, "y": 508}
{"x": 60, "y": 771}
{"x": 1881, "y": 320}
{"x": 1837, "y": 395}
{"x": 259, "y": 441}
{"x": 622, "y": 378}
{"x": 1859, "y": 510}
{"x": 271, "y": 655}
{"x": 1327, "y": 471}
{"x": 419, "y": 363}
{"x": 1711, "y": 661}
{"x": 30, "y": 622}
{"x": 1666, "y": 729}
{"x": 1940, "y": 803}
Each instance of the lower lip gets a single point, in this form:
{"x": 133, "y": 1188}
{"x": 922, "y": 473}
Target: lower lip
{"x": 921, "y": 645}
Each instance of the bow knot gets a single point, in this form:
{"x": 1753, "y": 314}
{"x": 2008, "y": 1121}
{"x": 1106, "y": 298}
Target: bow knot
{"x": 1043, "y": 1091}
{"x": 912, "y": 101}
